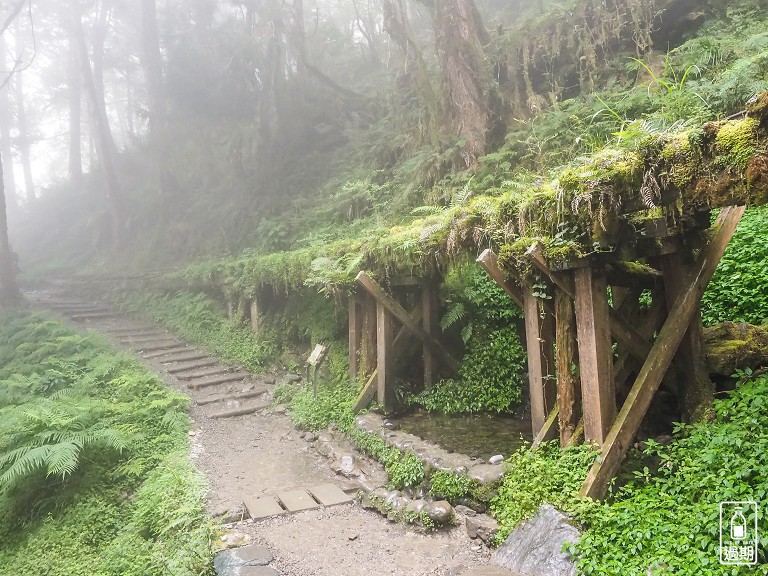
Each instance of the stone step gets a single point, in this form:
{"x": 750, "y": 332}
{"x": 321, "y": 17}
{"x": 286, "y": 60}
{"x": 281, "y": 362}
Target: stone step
{"x": 147, "y": 339}
{"x": 264, "y": 507}
{"x": 91, "y": 316}
{"x": 215, "y": 371}
{"x": 75, "y": 307}
{"x": 232, "y": 396}
{"x": 186, "y": 356}
{"x": 167, "y": 351}
{"x": 241, "y": 410}
{"x": 138, "y": 331}
{"x": 214, "y": 379}
{"x": 297, "y": 500}
{"x": 329, "y": 494}
{"x": 159, "y": 346}
{"x": 187, "y": 366}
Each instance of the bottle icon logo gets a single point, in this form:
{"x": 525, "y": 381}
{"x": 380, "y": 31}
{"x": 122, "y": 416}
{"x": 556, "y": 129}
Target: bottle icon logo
{"x": 738, "y": 525}
{"x": 738, "y": 533}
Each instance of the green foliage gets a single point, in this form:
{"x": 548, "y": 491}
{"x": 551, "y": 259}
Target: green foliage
{"x": 450, "y": 485}
{"x": 403, "y": 468}
{"x": 491, "y": 375}
{"x": 333, "y": 404}
{"x": 739, "y": 289}
{"x": 534, "y": 477}
{"x": 670, "y": 518}
{"x": 196, "y": 318}
{"x": 90, "y": 443}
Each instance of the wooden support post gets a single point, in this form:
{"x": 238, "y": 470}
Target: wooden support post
{"x": 697, "y": 391}
{"x": 595, "y": 353}
{"x": 539, "y": 338}
{"x": 254, "y": 314}
{"x": 490, "y": 264}
{"x": 389, "y": 303}
{"x": 385, "y": 377}
{"x": 658, "y": 361}
{"x": 355, "y": 322}
{"x": 230, "y": 309}
{"x": 568, "y": 384}
{"x": 428, "y": 322}
{"x": 368, "y": 336}
{"x": 368, "y": 391}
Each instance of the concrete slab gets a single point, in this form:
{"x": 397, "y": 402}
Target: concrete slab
{"x": 297, "y": 500}
{"x": 264, "y": 507}
{"x": 330, "y": 495}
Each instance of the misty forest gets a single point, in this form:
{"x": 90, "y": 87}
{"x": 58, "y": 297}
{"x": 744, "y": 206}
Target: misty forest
{"x": 407, "y": 287}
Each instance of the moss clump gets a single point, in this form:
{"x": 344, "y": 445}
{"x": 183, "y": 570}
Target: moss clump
{"x": 681, "y": 159}
{"x": 736, "y": 143}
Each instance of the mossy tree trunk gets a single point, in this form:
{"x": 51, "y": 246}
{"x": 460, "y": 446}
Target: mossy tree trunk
{"x": 458, "y": 31}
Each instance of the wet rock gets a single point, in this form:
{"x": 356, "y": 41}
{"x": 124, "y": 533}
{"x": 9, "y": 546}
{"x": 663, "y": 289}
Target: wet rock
{"x": 232, "y": 562}
{"x": 400, "y": 503}
{"x": 534, "y": 548}
{"x": 390, "y": 425}
{"x": 292, "y": 378}
{"x": 498, "y": 459}
{"x": 486, "y": 473}
{"x": 440, "y": 512}
{"x": 415, "y": 506}
{"x": 464, "y": 511}
{"x": 482, "y": 526}
{"x": 730, "y": 346}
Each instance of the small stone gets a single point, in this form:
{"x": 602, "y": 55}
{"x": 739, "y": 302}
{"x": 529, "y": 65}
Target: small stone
{"x": 498, "y": 459}
{"x": 482, "y": 526}
{"x": 352, "y": 537}
{"x": 310, "y": 437}
{"x": 476, "y": 548}
{"x": 390, "y": 425}
{"x": 486, "y": 473}
{"x": 440, "y": 512}
{"x": 464, "y": 510}
{"x": 347, "y": 463}
{"x": 293, "y": 378}
{"x": 192, "y": 433}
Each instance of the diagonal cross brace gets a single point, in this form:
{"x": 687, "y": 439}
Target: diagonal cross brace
{"x": 663, "y": 351}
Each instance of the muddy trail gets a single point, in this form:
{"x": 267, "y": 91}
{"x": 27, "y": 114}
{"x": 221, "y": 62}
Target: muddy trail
{"x": 258, "y": 465}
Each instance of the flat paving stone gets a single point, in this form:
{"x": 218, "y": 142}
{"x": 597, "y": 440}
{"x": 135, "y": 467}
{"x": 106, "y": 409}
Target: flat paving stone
{"x": 330, "y": 495}
{"x": 257, "y": 571}
{"x": 297, "y": 500}
{"x": 263, "y": 507}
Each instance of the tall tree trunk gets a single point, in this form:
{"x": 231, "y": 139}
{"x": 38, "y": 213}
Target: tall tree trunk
{"x": 102, "y": 135}
{"x": 9, "y": 291}
{"x": 300, "y": 36}
{"x": 23, "y": 141}
{"x": 152, "y": 63}
{"x": 466, "y": 77}
{"x": 75, "y": 117}
{"x": 5, "y": 131}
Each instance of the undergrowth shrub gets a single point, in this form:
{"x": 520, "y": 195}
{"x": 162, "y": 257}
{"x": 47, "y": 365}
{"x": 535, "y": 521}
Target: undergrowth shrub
{"x": 738, "y": 291}
{"x": 94, "y": 473}
{"x": 668, "y": 521}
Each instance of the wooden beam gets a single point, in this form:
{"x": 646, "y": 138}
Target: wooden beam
{"x": 384, "y": 358}
{"x": 428, "y": 323}
{"x": 389, "y": 303}
{"x": 664, "y": 348}
{"x": 254, "y": 314}
{"x": 490, "y": 263}
{"x": 624, "y": 333}
{"x": 539, "y": 338}
{"x": 368, "y": 391}
{"x": 577, "y": 434}
{"x": 697, "y": 391}
{"x": 355, "y": 325}
{"x": 368, "y": 336}
{"x": 568, "y": 383}
{"x": 595, "y": 354}
{"x": 548, "y": 430}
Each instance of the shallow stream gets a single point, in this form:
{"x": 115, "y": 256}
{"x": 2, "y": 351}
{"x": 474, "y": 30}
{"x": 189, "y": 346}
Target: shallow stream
{"x": 479, "y": 436}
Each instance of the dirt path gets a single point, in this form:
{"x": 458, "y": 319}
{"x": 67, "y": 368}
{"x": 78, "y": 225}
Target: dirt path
{"x": 261, "y": 453}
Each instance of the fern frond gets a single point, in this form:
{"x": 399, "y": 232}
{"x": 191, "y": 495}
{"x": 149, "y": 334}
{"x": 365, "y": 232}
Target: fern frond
{"x": 454, "y": 314}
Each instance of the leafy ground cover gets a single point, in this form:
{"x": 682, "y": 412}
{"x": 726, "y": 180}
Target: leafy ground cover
{"x": 95, "y": 477}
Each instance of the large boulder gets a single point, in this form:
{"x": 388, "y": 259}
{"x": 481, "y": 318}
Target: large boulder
{"x": 535, "y": 547}
{"x": 730, "y": 347}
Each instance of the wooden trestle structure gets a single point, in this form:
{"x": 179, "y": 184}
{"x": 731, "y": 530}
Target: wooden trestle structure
{"x": 592, "y": 319}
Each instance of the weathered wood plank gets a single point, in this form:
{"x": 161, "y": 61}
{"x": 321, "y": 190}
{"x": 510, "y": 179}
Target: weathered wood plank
{"x": 389, "y": 303}
{"x": 368, "y": 336}
{"x": 595, "y": 353}
{"x": 548, "y": 430}
{"x": 355, "y": 321}
{"x": 384, "y": 358}
{"x": 490, "y": 263}
{"x": 539, "y": 340}
{"x": 568, "y": 383}
{"x": 254, "y": 314}
{"x": 664, "y": 348}
{"x": 697, "y": 391}
{"x": 428, "y": 323}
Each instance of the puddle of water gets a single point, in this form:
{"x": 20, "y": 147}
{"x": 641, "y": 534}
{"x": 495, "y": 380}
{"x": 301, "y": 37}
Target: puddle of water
{"x": 481, "y": 436}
